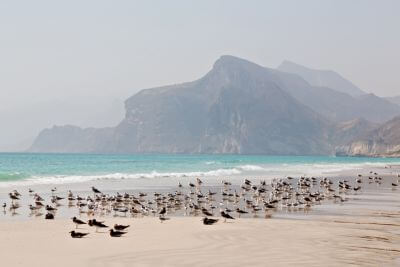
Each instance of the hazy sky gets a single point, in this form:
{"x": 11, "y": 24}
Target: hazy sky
{"x": 76, "y": 61}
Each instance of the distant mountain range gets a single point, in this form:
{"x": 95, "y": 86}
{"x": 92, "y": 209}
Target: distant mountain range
{"x": 322, "y": 78}
{"x": 237, "y": 107}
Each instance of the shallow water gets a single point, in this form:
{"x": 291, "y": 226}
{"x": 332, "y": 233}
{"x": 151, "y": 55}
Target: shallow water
{"x": 23, "y": 169}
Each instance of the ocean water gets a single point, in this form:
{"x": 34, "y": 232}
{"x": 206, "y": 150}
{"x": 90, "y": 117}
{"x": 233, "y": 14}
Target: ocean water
{"x": 41, "y": 169}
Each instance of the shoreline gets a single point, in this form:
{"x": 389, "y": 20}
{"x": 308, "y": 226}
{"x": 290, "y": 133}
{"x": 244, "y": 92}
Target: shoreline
{"x": 363, "y": 231}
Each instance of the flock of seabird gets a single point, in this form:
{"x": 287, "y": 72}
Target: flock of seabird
{"x": 248, "y": 199}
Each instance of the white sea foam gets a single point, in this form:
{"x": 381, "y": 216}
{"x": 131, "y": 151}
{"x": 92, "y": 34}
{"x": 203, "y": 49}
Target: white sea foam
{"x": 67, "y": 179}
{"x": 267, "y": 171}
{"x": 251, "y": 168}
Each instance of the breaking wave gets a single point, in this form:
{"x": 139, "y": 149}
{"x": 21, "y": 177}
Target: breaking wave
{"x": 267, "y": 171}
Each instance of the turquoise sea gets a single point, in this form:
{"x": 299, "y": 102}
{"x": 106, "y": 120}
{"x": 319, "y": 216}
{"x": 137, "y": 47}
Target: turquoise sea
{"x": 27, "y": 169}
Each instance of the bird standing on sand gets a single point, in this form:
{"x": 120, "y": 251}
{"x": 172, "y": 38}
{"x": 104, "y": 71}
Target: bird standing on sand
{"x": 116, "y": 233}
{"x": 226, "y": 216}
{"x": 34, "y": 208}
{"x": 13, "y": 196}
{"x": 49, "y": 216}
{"x": 162, "y": 218}
{"x": 206, "y": 212}
{"x": 207, "y": 221}
{"x": 50, "y": 208}
{"x": 239, "y": 211}
{"x": 97, "y": 224}
{"x": 77, "y": 222}
{"x": 163, "y": 212}
{"x": 77, "y": 234}
{"x": 53, "y": 190}
{"x": 16, "y": 193}
{"x": 4, "y": 207}
{"x": 95, "y": 190}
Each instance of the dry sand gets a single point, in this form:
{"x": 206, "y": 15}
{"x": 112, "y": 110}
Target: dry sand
{"x": 183, "y": 241}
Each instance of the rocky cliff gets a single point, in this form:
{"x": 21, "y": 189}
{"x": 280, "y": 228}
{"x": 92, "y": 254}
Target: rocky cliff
{"x": 381, "y": 141}
{"x": 237, "y": 107}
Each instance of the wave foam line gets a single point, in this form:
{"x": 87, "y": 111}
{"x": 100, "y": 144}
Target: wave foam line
{"x": 66, "y": 179}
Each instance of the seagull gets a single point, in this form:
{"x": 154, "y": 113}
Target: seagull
{"x": 357, "y": 188}
{"x": 77, "y": 234}
{"x": 13, "y": 196}
{"x": 95, "y": 190}
{"x": 120, "y": 227}
{"x": 38, "y": 198}
{"x": 163, "y": 211}
{"x": 49, "y": 216}
{"x": 206, "y": 212}
{"x": 39, "y": 204}
{"x": 53, "y": 190}
{"x": 116, "y": 233}
{"x": 33, "y": 208}
{"x": 226, "y": 216}
{"x": 207, "y": 221}
{"x": 163, "y": 218}
{"x": 77, "y": 222}
{"x": 239, "y": 211}
{"x": 97, "y": 224}
{"x": 50, "y": 208}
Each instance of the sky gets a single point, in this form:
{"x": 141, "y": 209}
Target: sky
{"x": 76, "y": 61}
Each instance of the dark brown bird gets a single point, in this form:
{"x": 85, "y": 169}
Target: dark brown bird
{"x": 97, "y": 224}
{"x": 116, "y": 233}
{"x": 77, "y": 234}
{"x": 207, "y": 221}
{"x": 163, "y": 211}
{"x": 95, "y": 190}
{"x": 206, "y": 212}
{"x": 49, "y": 216}
{"x": 163, "y": 218}
{"x": 50, "y": 208}
{"x": 226, "y": 216}
{"x": 120, "y": 227}
{"x": 241, "y": 211}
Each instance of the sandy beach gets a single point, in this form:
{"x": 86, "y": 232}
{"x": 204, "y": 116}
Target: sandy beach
{"x": 335, "y": 241}
{"x": 199, "y": 133}
{"x": 362, "y": 231}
